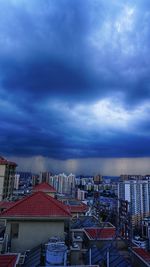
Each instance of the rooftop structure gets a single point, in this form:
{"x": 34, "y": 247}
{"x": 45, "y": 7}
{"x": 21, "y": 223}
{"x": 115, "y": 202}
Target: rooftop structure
{"x": 106, "y": 255}
{"x": 4, "y": 161}
{"x": 84, "y": 221}
{"x": 100, "y": 233}
{"x": 77, "y": 207}
{"x": 37, "y": 205}
{"x": 46, "y": 188}
{"x": 142, "y": 254}
{"x": 56, "y": 252}
{"x": 8, "y": 260}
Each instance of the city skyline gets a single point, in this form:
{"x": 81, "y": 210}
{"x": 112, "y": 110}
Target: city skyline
{"x": 102, "y": 166}
{"x": 75, "y": 83}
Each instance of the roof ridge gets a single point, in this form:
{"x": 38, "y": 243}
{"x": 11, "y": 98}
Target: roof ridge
{"x": 17, "y": 202}
{"x": 12, "y": 259}
{"x": 44, "y": 183}
{"x": 34, "y": 197}
{"x": 56, "y": 201}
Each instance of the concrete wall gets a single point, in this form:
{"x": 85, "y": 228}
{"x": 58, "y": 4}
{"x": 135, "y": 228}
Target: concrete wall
{"x": 2, "y": 170}
{"x": 75, "y": 256}
{"x": 33, "y": 233}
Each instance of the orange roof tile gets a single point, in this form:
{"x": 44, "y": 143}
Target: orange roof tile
{"x": 44, "y": 187}
{"x": 142, "y": 253}
{"x": 8, "y": 260}
{"x": 100, "y": 233}
{"x": 6, "y": 204}
{"x": 38, "y": 204}
{"x": 78, "y": 208}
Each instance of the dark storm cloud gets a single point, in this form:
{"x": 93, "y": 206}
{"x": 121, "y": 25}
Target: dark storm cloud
{"x": 58, "y": 59}
{"x": 48, "y": 50}
{"x": 45, "y": 53}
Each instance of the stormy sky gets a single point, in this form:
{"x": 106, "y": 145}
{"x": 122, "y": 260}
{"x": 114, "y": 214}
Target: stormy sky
{"x": 75, "y": 83}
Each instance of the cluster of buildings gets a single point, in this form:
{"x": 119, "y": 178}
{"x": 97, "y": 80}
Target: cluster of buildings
{"x": 57, "y": 219}
{"x": 134, "y": 208}
{"x": 135, "y": 190}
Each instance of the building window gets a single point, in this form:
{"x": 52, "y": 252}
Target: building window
{"x": 14, "y": 230}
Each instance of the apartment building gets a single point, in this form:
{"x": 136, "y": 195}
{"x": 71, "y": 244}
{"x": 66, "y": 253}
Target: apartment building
{"x": 64, "y": 184}
{"x": 137, "y": 193}
{"x": 7, "y": 176}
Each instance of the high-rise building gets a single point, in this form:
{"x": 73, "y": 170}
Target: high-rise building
{"x": 7, "y": 176}
{"x": 98, "y": 179}
{"x": 124, "y": 219}
{"x": 44, "y": 177}
{"x": 81, "y": 194}
{"x": 137, "y": 193}
{"x": 124, "y": 177}
{"x": 16, "y": 181}
{"x": 63, "y": 184}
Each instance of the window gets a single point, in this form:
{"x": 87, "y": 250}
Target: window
{"x": 14, "y": 230}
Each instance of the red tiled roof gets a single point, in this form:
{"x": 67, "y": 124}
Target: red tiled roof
{"x": 100, "y": 233}
{"x": 38, "y": 204}
{"x": 78, "y": 208}
{"x": 6, "y": 162}
{"x": 6, "y": 204}
{"x": 44, "y": 187}
{"x": 142, "y": 253}
{"x": 8, "y": 260}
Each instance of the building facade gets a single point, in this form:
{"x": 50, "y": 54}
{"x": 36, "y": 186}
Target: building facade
{"x": 137, "y": 193}
{"x": 7, "y": 176}
{"x": 64, "y": 184}
{"x": 33, "y": 220}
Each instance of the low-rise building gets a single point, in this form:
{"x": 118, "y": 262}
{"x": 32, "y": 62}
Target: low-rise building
{"x": 46, "y": 188}
{"x": 33, "y": 220}
{"x": 100, "y": 236}
{"x": 77, "y": 208}
{"x": 9, "y": 260}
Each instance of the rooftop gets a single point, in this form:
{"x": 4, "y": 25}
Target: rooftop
{"x": 78, "y": 207}
{"x": 99, "y": 256}
{"x": 143, "y": 254}
{"x": 4, "y": 161}
{"x": 6, "y": 204}
{"x": 8, "y": 260}
{"x": 44, "y": 187}
{"x": 37, "y": 204}
{"x": 100, "y": 233}
{"x": 84, "y": 221}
